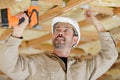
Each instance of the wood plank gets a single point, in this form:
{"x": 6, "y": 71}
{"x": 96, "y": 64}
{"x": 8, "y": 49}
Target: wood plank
{"x": 59, "y": 10}
{"x": 5, "y": 34}
{"x": 48, "y": 47}
{"x": 90, "y": 47}
{"x": 90, "y": 35}
{"x": 107, "y": 3}
{"x": 108, "y": 23}
{"x": 56, "y": 2}
{"x": 39, "y": 40}
{"x": 102, "y": 10}
{"x": 117, "y": 10}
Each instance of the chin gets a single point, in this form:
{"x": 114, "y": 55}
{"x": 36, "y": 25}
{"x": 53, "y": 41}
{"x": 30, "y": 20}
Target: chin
{"x": 59, "y": 46}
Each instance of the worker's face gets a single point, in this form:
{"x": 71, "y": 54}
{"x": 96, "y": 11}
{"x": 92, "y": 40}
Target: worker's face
{"x": 63, "y": 35}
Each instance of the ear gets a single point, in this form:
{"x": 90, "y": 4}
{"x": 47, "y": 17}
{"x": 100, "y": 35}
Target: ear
{"x": 75, "y": 39}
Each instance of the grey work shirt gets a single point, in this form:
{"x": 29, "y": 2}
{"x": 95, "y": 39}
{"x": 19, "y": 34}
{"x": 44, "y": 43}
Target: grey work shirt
{"x": 47, "y": 66}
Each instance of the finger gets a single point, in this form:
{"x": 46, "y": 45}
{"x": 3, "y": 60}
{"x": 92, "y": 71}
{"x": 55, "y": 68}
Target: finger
{"x": 87, "y": 13}
{"x": 19, "y": 15}
{"x": 26, "y": 17}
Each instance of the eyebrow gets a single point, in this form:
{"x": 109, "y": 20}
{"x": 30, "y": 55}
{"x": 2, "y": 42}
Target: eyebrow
{"x": 56, "y": 26}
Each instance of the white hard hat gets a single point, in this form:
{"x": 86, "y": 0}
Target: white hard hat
{"x": 70, "y": 21}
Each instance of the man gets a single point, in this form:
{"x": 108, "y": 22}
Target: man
{"x": 58, "y": 65}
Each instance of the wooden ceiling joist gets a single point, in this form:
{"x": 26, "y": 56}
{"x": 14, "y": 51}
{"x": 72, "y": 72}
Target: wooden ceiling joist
{"x": 39, "y": 40}
{"x": 48, "y": 47}
{"x": 56, "y": 2}
{"x": 117, "y": 10}
{"x": 102, "y": 10}
{"x": 90, "y": 35}
{"x": 60, "y": 10}
{"x": 109, "y": 23}
{"x": 5, "y": 34}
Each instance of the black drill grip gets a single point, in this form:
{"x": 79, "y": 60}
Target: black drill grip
{"x": 21, "y": 20}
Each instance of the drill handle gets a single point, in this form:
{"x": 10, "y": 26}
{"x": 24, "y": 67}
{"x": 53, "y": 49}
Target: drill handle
{"x": 21, "y": 20}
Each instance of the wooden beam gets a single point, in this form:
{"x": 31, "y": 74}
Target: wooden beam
{"x": 59, "y": 10}
{"x": 78, "y": 51}
{"x": 5, "y": 34}
{"x": 102, "y": 10}
{"x": 118, "y": 44}
{"x": 39, "y": 40}
{"x": 111, "y": 22}
{"x": 90, "y": 35}
{"x": 56, "y": 2}
{"x": 107, "y": 3}
{"x": 117, "y": 10}
{"x": 1, "y": 73}
{"x": 90, "y": 47}
{"x": 108, "y": 23}
{"x": 82, "y": 42}
{"x": 48, "y": 47}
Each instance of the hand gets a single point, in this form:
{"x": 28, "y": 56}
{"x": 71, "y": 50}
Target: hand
{"x": 90, "y": 18}
{"x": 19, "y": 29}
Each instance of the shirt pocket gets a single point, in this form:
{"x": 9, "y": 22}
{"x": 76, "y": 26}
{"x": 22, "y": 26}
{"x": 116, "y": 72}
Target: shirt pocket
{"x": 49, "y": 72}
{"x": 57, "y": 74}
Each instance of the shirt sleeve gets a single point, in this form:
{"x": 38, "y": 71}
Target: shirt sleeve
{"x": 11, "y": 63}
{"x": 106, "y": 57}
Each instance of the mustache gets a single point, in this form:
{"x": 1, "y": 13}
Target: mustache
{"x": 60, "y": 36}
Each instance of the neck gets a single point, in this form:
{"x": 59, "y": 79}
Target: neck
{"x": 62, "y": 52}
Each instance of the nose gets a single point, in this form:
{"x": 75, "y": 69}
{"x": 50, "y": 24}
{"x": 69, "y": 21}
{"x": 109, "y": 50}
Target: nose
{"x": 60, "y": 33}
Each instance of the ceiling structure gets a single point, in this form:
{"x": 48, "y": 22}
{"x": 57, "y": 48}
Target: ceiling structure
{"x": 38, "y": 39}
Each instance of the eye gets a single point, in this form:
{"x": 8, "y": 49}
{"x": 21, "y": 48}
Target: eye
{"x": 57, "y": 30}
{"x": 67, "y": 30}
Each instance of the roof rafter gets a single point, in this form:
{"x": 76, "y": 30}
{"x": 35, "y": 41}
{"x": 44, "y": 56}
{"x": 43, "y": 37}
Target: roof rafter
{"x": 60, "y": 10}
{"x": 56, "y": 2}
{"x": 39, "y": 40}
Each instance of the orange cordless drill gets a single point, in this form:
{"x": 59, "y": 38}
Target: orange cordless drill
{"x": 7, "y": 21}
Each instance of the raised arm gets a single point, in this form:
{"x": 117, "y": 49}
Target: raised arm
{"x": 108, "y": 53}
{"x": 10, "y": 62}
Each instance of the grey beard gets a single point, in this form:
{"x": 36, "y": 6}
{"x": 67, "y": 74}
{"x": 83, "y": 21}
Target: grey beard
{"x": 59, "y": 46}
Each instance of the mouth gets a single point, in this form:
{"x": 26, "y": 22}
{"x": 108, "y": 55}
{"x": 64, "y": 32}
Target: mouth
{"x": 59, "y": 42}
{"x": 59, "y": 39}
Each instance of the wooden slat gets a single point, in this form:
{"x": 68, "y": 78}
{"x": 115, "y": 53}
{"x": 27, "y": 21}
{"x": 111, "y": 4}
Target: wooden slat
{"x": 56, "y": 2}
{"x": 48, "y": 47}
{"x": 107, "y": 3}
{"x": 117, "y": 10}
{"x": 39, "y": 40}
{"x": 59, "y": 10}
{"x": 5, "y": 34}
{"x": 78, "y": 51}
{"x": 92, "y": 47}
{"x": 90, "y": 35}
{"x": 118, "y": 44}
{"x": 109, "y": 23}
{"x": 103, "y": 10}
